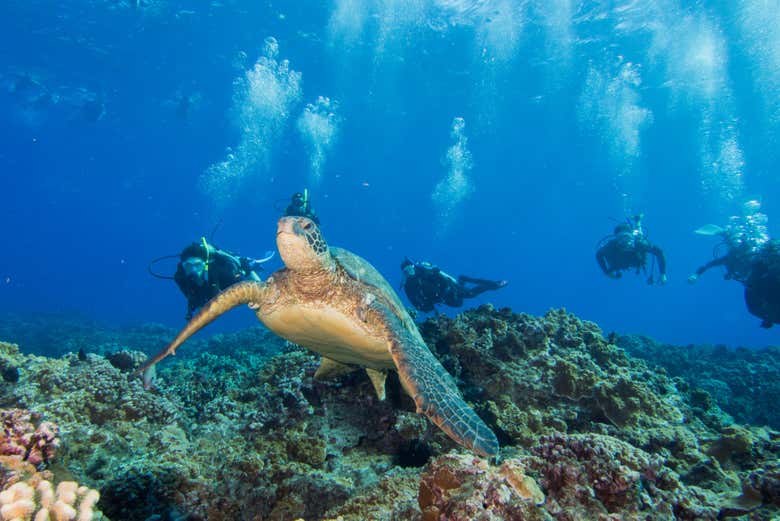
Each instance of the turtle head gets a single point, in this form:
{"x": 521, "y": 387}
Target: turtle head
{"x": 300, "y": 244}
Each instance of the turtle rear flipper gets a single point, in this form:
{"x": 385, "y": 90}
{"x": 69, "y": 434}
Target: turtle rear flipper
{"x": 436, "y": 395}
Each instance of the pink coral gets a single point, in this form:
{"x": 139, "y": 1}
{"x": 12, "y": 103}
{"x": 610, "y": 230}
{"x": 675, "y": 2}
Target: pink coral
{"x": 21, "y": 437}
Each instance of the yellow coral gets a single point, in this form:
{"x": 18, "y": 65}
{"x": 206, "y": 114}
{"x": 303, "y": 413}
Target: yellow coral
{"x": 69, "y": 503}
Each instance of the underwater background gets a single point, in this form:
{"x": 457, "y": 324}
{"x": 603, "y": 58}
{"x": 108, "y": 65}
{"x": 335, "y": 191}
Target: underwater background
{"x": 499, "y": 139}
{"x": 131, "y": 128}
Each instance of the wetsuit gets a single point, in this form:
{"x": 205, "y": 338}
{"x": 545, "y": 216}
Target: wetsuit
{"x": 301, "y": 209}
{"x": 737, "y": 261}
{"x": 762, "y": 288}
{"x": 222, "y": 270}
{"x": 625, "y": 251}
{"x": 428, "y": 286}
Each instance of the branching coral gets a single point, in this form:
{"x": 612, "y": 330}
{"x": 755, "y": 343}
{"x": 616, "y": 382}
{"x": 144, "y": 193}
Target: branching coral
{"x": 38, "y": 500}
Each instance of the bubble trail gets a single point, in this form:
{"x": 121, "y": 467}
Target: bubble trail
{"x": 450, "y": 191}
{"x": 262, "y": 101}
{"x": 318, "y": 125}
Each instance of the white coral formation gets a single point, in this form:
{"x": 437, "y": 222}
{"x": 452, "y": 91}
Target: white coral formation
{"x": 69, "y": 502}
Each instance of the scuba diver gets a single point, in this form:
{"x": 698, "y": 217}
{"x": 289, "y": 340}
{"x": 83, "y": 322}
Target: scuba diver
{"x": 762, "y": 287}
{"x": 204, "y": 270}
{"x": 627, "y": 248}
{"x": 426, "y": 285}
{"x": 751, "y": 258}
{"x": 301, "y": 207}
{"x": 740, "y": 247}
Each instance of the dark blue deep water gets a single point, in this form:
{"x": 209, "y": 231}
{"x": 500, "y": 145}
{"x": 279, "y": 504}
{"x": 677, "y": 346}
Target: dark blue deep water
{"x": 131, "y": 128}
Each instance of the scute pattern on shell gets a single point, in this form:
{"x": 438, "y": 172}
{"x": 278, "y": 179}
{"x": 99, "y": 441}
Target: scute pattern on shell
{"x": 362, "y": 271}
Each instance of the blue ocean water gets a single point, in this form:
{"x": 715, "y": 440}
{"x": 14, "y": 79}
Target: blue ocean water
{"x": 131, "y": 128}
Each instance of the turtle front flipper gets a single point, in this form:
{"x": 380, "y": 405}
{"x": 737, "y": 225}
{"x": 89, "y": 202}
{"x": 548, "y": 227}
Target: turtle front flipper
{"x": 436, "y": 395}
{"x": 249, "y": 292}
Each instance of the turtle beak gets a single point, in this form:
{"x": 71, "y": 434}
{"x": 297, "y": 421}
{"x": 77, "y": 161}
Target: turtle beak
{"x": 285, "y": 225}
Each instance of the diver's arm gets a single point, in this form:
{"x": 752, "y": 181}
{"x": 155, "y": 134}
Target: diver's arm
{"x": 720, "y": 261}
{"x": 659, "y": 257}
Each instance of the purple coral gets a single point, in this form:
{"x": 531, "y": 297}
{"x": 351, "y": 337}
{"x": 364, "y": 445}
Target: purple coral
{"x": 21, "y": 437}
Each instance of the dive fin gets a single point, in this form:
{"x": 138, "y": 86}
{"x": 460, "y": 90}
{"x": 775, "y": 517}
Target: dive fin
{"x": 710, "y": 230}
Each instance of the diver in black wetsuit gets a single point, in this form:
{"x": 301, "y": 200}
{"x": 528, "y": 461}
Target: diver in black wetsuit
{"x": 751, "y": 258}
{"x": 426, "y": 286}
{"x": 301, "y": 207}
{"x": 738, "y": 258}
{"x": 762, "y": 287}
{"x": 627, "y": 248}
{"x": 204, "y": 270}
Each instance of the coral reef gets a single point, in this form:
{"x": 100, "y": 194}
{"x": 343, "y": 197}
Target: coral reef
{"x": 53, "y": 334}
{"x": 744, "y": 383}
{"x": 551, "y": 380}
{"x": 237, "y": 428}
{"x": 465, "y": 488}
{"x": 27, "y": 493}
{"x": 393, "y": 498}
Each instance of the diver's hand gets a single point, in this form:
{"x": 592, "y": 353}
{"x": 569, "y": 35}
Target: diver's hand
{"x": 663, "y": 279}
{"x": 693, "y": 278}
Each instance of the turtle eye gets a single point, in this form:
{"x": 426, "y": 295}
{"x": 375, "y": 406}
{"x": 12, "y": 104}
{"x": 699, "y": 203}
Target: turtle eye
{"x": 308, "y": 226}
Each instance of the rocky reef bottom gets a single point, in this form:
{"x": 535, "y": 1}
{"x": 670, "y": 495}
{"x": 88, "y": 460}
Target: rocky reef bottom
{"x": 238, "y": 429}
{"x": 745, "y": 383}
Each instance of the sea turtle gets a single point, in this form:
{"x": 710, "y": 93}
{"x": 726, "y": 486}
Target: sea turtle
{"x": 338, "y": 305}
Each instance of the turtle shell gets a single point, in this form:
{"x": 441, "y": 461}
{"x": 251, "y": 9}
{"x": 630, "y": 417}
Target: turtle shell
{"x": 362, "y": 271}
